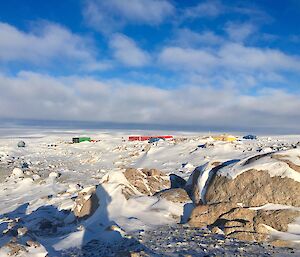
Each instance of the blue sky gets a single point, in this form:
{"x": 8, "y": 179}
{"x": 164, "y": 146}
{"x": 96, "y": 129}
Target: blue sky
{"x": 225, "y": 64}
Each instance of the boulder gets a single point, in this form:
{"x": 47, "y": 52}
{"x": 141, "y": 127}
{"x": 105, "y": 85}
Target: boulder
{"x": 254, "y": 188}
{"x": 249, "y": 236}
{"x": 205, "y": 215}
{"x": 200, "y": 179}
{"x": 232, "y": 189}
{"x": 281, "y": 243}
{"x": 21, "y": 144}
{"x": 147, "y": 181}
{"x": 86, "y": 203}
{"x": 242, "y": 223}
{"x": 240, "y": 214}
{"x": 277, "y": 219}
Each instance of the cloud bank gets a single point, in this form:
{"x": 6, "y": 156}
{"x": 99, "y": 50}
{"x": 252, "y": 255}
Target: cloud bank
{"x": 36, "y": 96}
{"x": 152, "y": 62}
{"x": 45, "y": 44}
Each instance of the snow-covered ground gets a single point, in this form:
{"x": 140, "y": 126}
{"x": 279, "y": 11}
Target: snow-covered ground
{"x": 54, "y": 171}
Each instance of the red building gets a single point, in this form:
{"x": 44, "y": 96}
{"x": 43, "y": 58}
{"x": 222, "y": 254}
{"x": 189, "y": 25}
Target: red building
{"x": 145, "y": 138}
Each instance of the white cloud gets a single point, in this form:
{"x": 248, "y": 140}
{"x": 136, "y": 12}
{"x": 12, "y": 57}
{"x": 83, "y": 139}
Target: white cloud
{"x": 215, "y": 8}
{"x": 237, "y": 56}
{"x": 230, "y": 57}
{"x": 189, "y": 38}
{"x": 239, "y": 31}
{"x": 127, "y": 52}
{"x": 187, "y": 59}
{"x": 47, "y": 43}
{"x": 107, "y": 16}
{"x": 210, "y": 8}
{"x": 36, "y": 96}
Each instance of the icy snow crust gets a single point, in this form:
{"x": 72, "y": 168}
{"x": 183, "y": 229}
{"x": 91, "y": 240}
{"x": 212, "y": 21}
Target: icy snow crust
{"x": 58, "y": 170}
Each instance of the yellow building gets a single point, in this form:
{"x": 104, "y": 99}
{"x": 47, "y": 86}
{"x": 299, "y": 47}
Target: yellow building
{"x": 227, "y": 138}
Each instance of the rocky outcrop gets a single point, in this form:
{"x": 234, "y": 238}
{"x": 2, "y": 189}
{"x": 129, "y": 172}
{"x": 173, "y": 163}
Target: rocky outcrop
{"x": 205, "y": 215}
{"x": 232, "y": 192}
{"x": 242, "y": 223}
{"x": 200, "y": 178}
{"x": 277, "y": 219}
{"x": 254, "y": 188}
{"x": 147, "y": 181}
{"x": 86, "y": 203}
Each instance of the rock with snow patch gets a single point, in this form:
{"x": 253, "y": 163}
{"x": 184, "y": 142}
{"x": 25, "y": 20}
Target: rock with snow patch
{"x": 262, "y": 179}
{"x": 147, "y": 181}
{"x": 277, "y": 219}
{"x": 243, "y": 223}
{"x": 205, "y": 215}
{"x": 21, "y": 144}
{"x": 254, "y": 188}
{"x": 197, "y": 180}
{"x": 86, "y": 203}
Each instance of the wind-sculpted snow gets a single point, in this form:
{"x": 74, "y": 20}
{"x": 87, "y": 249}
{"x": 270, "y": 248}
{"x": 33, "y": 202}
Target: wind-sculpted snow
{"x": 277, "y": 164}
{"x": 112, "y": 196}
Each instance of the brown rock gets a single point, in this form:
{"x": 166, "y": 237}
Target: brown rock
{"x": 254, "y": 188}
{"x": 240, "y": 214}
{"x": 153, "y": 172}
{"x": 249, "y": 236}
{"x": 234, "y": 223}
{"x": 217, "y": 230}
{"x": 147, "y": 181}
{"x": 260, "y": 228}
{"x": 277, "y": 219}
{"x": 175, "y": 195}
{"x": 128, "y": 192}
{"x": 281, "y": 243}
{"x": 241, "y": 227}
{"x": 242, "y": 223}
{"x": 204, "y": 215}
{"x": 86, "y": 203}
{"x": 192, "y": 187}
